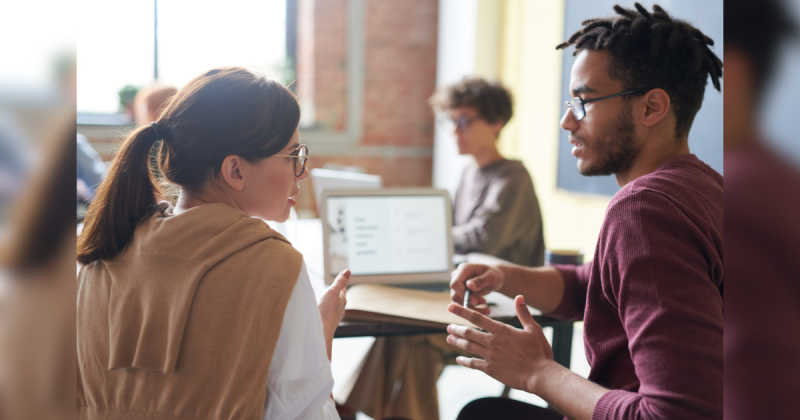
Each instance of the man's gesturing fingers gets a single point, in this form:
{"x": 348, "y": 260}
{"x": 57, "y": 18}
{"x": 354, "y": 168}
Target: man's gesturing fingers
{"x": 484, "y": 309}
{"x": 524, "y": 315}
{"x": 472, "y": 363}
{"x": 459, "y": 277}
{"x": 468, "y": 333}
{"x": 465, "y": 344}
{"x": 510, "y": 355}
{"x": 480, "y": 279}
{"x": 474, "y": 317}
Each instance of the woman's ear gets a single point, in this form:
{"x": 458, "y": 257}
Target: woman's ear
{"x": 232, "y": 172}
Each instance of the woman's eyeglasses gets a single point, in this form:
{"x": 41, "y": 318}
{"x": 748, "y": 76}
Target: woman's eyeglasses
{"x": 576, "y": 105}
{"x": 301, "y": 157}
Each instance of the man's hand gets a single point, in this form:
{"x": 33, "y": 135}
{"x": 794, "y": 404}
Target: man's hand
{"x": 512, "y": 356}
{"x": 331, "y": 307}
{"x": 480, "y": 279}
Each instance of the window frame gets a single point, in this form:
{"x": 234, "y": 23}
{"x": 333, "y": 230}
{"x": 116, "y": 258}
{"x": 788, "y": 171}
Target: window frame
{"x": 112, "y": 126}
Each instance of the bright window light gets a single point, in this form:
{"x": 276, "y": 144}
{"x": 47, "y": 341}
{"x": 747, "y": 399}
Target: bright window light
{"x": 116, "y": 43}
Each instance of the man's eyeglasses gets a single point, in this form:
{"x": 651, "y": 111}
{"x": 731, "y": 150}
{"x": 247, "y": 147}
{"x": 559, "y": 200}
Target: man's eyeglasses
{"x": 301, "y": 157}
{"x": 461, "y": 123}
{"x": 576, "y": 105}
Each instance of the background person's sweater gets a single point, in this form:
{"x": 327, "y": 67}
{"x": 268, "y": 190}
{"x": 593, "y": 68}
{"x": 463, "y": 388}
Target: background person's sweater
{"x": 496, "y": 212}
{"x": 651, "y": 299}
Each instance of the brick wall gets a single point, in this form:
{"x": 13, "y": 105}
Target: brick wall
{"x": 400, "y": 75}
{"x": 322, "y": 62}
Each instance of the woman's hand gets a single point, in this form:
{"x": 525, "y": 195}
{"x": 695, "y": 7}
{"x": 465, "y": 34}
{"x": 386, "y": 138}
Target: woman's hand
{"x": 331, "y": 307}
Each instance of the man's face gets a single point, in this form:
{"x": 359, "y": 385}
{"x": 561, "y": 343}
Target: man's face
{"x": 473, "y": 133}
{"x": 605, "y": 140}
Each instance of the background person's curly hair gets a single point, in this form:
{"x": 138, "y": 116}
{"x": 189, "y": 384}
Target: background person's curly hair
{"x": 653, "y": 50}
{"x": 491, "y": 99}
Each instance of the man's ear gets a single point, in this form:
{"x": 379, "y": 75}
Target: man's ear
{"x": 657, "y": 105}
{"x": 232, "y": 172}
{"x": 497, "y": 127}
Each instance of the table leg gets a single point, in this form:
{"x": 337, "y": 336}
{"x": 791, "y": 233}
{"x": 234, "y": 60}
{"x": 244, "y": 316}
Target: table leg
{"x": 562, "y": 343}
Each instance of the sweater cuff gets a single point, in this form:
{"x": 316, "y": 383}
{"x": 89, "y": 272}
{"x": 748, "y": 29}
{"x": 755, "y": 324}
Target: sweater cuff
{"x": 617, "y": 405}
{"x": 566, "y": 309}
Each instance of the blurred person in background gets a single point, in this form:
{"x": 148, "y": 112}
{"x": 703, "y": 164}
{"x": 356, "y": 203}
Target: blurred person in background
{"x": 90, "y": 166}
{"x": 37, "y": 290}
{"x": 149, "y": 103}
{"x": 651, "y": 298}
{"x": 90, "y": 169}
{"x": 147, "y": 106}
{"x": 15, "y": 163}
{"x": 762, "y": 227}
{"x": 37, "y": 269}
{"x": 496, "y": 212}
{"x": 495, "y": 208}
{"x": 200, "y": 309}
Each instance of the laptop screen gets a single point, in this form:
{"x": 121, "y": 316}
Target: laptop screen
{"x": 384, "y": 235}
{"x": 326, "y": 179}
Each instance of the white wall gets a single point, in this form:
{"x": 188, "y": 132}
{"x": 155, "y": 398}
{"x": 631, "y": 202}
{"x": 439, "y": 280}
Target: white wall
{"x": 455, "y": 59}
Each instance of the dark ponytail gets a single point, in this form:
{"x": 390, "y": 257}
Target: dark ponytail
{"x": 128, "y": 193}
{"x": 225, "y": 111}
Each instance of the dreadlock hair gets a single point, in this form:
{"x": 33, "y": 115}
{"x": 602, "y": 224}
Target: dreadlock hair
{"x": 653, "y": 50}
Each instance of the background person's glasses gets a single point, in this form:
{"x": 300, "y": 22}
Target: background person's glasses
{"x": 461, "y": 123}
{"x": 576, "y": 105}
{"x": 301, "y": 157}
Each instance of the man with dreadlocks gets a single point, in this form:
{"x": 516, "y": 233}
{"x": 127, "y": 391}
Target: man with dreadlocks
{"x": 651, "y": 299}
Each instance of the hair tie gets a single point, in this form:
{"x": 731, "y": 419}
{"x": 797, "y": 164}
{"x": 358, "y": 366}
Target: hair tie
{"x": 155, "y": 128}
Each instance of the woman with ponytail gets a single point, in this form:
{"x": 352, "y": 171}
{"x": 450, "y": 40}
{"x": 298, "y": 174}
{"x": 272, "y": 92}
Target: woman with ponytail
{"x": 200, "y": 310}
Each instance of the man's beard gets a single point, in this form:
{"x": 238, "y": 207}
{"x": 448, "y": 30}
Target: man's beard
{"x": 617, "y": 147}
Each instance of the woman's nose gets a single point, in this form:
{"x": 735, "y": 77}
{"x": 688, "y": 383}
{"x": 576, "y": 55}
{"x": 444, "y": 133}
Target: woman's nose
{"x": 304, "y": 175}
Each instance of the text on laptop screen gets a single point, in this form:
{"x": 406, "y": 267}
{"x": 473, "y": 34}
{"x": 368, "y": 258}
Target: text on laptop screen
{"x": 387, "y": 234}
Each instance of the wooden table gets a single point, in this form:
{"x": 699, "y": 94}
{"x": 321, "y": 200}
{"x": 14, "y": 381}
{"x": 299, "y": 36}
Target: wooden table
{"x": 306, "y": 236}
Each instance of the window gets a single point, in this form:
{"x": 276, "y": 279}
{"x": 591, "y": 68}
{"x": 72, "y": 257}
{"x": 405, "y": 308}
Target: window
{"x": 119, "y": 45}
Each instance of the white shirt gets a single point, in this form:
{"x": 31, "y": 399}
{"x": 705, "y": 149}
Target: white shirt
{"x": 300, "y": 381}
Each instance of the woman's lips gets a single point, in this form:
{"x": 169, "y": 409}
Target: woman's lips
{"x": 292, "y": 202}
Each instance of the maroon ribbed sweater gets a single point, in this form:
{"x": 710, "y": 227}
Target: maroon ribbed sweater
{"x": 651, "y": 300}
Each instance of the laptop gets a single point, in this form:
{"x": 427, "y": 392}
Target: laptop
{"x": 328, "y": 179}
{"x": 399, "y": 237}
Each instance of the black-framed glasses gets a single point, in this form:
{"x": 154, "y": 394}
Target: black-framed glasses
{"x": 576, "y": 105}
{"x": 461, "y": 123}
{"x": 301, "y": 157}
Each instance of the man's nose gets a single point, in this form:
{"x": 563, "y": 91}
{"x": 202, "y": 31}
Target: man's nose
{"x": 568, "y": 121}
